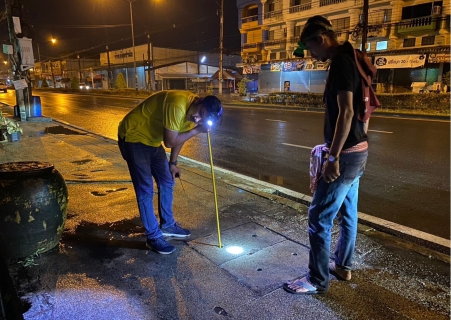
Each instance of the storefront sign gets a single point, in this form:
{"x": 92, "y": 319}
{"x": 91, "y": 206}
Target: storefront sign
{"x": 396, "y": 62}
{"x": 251, "y": 69}
{"x": 439, "y": 57}
{"x": 276, "y": 67}
{"x": 304, "y": 65}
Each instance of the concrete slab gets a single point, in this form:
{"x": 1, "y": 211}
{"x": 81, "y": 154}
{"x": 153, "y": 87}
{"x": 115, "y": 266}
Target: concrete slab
{"x": 267, "y": 269}
{"x": 250, "y": 237}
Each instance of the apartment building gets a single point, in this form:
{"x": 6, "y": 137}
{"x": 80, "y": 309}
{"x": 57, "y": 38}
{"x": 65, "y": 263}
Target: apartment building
{"x": 408, "y": 41}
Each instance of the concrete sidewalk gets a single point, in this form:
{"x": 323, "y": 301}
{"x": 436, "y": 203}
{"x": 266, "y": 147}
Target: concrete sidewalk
{"x": 102, "y": 270}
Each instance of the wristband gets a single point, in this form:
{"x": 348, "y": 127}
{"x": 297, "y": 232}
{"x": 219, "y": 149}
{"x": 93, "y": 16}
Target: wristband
{"x": 172, "y": 163}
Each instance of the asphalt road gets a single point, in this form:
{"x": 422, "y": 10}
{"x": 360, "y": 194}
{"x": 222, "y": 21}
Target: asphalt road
{"x": 407, "y": 180}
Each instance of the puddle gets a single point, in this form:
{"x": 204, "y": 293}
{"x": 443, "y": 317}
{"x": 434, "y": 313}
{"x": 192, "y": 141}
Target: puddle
{"x": 62, "y": 130}
{"x": 103, "y": 194}
{"x": 81, "y": 161}
{"x": 220, "y": 311}
{"x": 81, "y": 175}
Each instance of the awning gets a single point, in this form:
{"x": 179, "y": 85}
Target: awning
{"x": 227, "y": 75}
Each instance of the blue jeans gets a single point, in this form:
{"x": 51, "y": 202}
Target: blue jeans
{"x": 329, "y": 199}
{"x": 145, "y": 162}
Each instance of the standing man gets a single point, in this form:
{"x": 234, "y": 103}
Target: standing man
{"x": 172, "y": 117}
{"x": 347, "y": 151}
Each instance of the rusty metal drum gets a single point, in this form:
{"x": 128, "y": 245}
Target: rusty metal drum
{"x": 33, "y": 208}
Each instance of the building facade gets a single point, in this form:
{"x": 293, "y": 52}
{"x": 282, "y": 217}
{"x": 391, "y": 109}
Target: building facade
{"x": 408, "y": 41}
{"x": 164, "y": 68}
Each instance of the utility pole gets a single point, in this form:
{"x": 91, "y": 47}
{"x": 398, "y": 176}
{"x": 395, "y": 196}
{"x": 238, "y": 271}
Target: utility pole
{"x": 110, "y": 81}
{"x": 53, "y": 75}
{"x": 365, "y": 24}
{"x": 23, "y": 96}
{"x": 79, "y": 69}
{"x": 133, "y": 44}
{"x": 149, "y": 64}
{"x": 221, "y": 40}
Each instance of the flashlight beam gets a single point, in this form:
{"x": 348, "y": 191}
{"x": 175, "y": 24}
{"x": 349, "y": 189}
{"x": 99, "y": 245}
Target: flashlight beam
{"x": 214, "y": 189}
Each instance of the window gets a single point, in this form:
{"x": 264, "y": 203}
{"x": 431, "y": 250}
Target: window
{"x": 273, "y": 56}
{"x": 368, "y": 46}
{"x": 409, "y": 42}
{"x": 427, "y": 41}
{"x": 340, "y": 24}
{"x": 283, "y": 55}
{"x": 259, "y": 57}
{"x": 419, "y": 10}
{"x": 297, "y": 31}
{"x": 271, "y": 35}
{"x": 271, "y": 6}
{"x": 381, "y": 45}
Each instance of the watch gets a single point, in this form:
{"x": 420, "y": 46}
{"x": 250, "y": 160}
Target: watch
{"x": 172, "y": 163}
{"x": 331, "y": 158}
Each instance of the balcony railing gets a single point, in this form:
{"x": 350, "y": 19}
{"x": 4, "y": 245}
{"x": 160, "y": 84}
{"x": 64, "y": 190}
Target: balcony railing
{"x": 273, "y": 15}
{"x": 417, "y": 24}
{"x": 274, "y": 42}
{"x": 323, "y": 3}
{"x": 301, "y": 7}
{"x": 252, "y": 47}
{"x": 249, "y": 19}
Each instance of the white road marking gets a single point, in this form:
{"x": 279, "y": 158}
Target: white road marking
{"x": 297, "y": 146}
{"x": 380, "y": 131}
{"x": 275, "y": 120}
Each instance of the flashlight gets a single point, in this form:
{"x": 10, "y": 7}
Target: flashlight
{"x": 210, "y": 123}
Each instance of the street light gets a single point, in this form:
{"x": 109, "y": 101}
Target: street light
{"x": 53, "y": 41}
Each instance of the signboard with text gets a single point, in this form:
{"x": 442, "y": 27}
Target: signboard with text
{"x": 401, "y": 61}
{"x": 439, "y": 57}
{"x": 304, "y": 65}
{"x": 251, "y": 69}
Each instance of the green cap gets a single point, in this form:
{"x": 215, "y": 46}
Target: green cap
{"x": 299, "y": 52}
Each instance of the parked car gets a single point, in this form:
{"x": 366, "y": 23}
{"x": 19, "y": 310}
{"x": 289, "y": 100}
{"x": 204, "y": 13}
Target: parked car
{"x": 3, "y": 87}
{"x": 84, "y": 86}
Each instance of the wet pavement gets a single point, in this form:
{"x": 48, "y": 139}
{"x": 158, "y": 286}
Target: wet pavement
{"x": 102, "y": 269}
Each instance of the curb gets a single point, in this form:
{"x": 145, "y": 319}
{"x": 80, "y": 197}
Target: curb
{"x": 421, "y": 238}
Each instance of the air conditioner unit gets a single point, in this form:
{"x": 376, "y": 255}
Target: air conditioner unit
{"x": 436, "y": 10}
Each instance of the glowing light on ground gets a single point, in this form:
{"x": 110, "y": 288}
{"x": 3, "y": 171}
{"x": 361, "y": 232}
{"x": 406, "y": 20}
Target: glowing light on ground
{"x": 234, "y": 250}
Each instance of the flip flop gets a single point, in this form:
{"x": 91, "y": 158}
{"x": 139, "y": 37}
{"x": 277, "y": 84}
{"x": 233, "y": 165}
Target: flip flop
{"x": 302, "y": 286}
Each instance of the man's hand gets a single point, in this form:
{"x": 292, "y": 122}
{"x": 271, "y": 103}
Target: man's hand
{"x": 175, "y": 171}
{"x": 331, "y": 171}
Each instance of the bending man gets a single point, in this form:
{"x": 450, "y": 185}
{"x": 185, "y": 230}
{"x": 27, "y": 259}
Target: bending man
{"x": 172, "y": 117}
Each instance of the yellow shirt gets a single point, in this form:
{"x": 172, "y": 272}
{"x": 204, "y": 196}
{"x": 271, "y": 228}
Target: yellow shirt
{"x": 164, "y": 109}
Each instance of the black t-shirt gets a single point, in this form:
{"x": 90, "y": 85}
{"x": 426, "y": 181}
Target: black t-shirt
{"x": 343, "y": 75}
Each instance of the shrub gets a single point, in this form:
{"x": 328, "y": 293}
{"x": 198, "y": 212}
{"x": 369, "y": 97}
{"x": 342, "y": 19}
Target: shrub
{"x": 413, "y": 102}
{"x": 120, "y": 82}
{"x": 74, "y": 84}
{"x": 242, "y": 86}
{"x": 44, "y": 84}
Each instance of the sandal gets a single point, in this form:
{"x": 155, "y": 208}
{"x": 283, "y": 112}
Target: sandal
{"x": 302, "y": 286}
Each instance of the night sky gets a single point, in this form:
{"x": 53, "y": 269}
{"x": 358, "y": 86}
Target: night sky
{"x": 85, "y": 27}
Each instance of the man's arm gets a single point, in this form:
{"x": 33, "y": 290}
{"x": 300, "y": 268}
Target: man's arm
{"x": 342, "y": 128}
{"x": 172, "y": 139}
